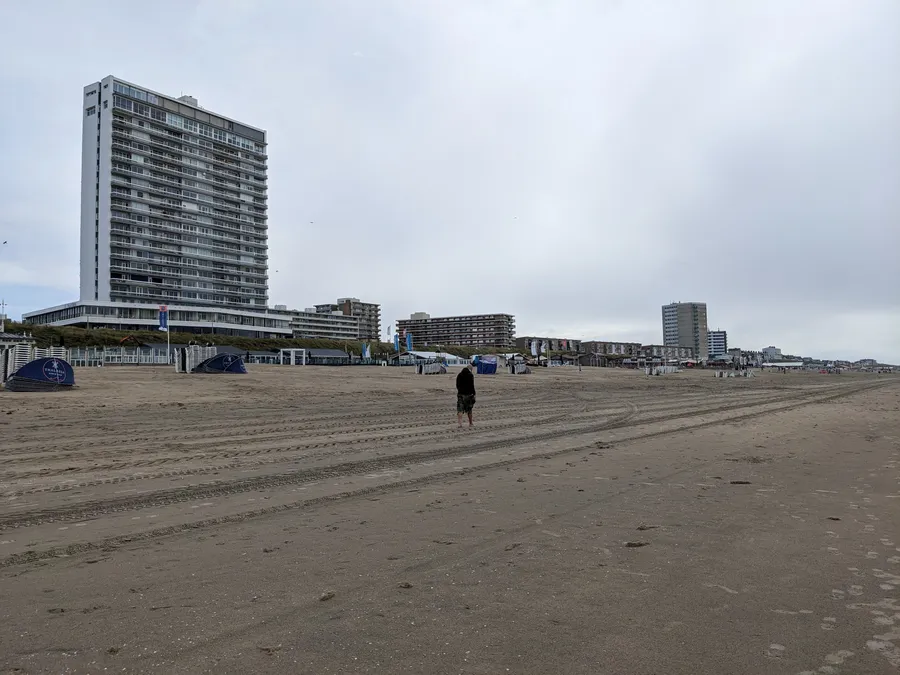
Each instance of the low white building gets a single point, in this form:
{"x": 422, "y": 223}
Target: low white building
{"x": 409, "y": 358}
{"x": 772, "y": 354}
{"x": 128, "y": 316}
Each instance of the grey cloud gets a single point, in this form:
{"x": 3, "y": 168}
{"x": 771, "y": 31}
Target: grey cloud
{"x": 576, "y": 163}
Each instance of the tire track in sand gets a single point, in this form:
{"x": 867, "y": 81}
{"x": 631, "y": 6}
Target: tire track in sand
{"x": 225, "y": 488}
{"x": 624, "y": 421}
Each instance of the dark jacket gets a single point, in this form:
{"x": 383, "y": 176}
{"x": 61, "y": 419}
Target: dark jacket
{"x": 465, "y": 383}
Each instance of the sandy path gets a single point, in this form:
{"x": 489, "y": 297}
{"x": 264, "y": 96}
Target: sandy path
{"x": 198, "y": 520}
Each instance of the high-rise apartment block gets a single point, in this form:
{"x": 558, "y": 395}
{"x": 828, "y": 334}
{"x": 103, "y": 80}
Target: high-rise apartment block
{"x": 368, "y": 314}
{"x": 173, "y": 212}
{"x": 717, "y": 341}
{"x": 684, "y": 325}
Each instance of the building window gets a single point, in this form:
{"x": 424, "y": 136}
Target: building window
{"x": 105, "y": 105}
{"x": 91, "y": 111}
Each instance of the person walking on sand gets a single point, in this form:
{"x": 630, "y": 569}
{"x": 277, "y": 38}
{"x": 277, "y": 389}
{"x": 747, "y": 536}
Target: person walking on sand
{"x": 465, "y": 395}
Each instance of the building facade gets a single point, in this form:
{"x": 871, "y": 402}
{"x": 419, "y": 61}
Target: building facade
{"x": 685, "y": 325}
{"x": 476, "y": 330}
{"x": 717, "y": 341}
{"x": 311, "y": 323}
{"x": 368, "y": 314}
{"x": 532, "y": 345}
{"x": 604, "y": 348}
{"x": 667, "y": 353}
{"x": 173, "y": 211}
{"x": 173, "y": 202}
{"x": 185, "y": 318}
{"x": 772, "y": 353}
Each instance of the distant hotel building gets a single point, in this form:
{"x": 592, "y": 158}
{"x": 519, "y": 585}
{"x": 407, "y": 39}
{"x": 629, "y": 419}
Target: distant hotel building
{"x": 173, "y": 212}
{"x": 313, "y": 324}
{"x": 717, "y": 342}
{"x": 368, "y": 315}
{"x": 477, "y": 330}
{"x": 684, "y": 325}
{"x": 772, "y": 354}
{"x": 666, "y": 352}
{"x": 524, "y": 344}
{"x": 611, "y": 348}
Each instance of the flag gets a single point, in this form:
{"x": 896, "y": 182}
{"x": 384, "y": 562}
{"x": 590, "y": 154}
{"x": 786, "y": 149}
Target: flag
{"x": 534, "y": 348}
{"x": 409, "y": 344}
{"x": 164, "y": 318}
{"x": 396, "y": 342}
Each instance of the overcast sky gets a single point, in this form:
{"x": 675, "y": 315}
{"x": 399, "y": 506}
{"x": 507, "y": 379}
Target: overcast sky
{"x": 576, "y": 163}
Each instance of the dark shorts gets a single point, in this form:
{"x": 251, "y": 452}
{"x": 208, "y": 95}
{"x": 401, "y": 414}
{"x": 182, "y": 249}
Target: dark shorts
{"x": 465, "y": 403}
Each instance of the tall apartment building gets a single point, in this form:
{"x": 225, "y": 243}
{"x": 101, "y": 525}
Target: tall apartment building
{"x": 173, "y": 212}
{"x": 684, "y": 325}
{"x": 717, "y": 342}
{"x": 477, "y": 330}
{"x": 368, "y": 313}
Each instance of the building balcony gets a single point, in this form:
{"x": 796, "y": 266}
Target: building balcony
{"x": 177, "y": 256}
{"x": 181, "y": 280}
{"x": 182, "y": 149}
{"x": 177, "y": 194}
{"x": 161, "y": 221}
{"x": 189, "y": 216}
{"x": 178, "y": 262}
{"x": 201, "y": 186}
{"x": 186, "y": 232}
{"x": 146, "y": 230}
{"x": 178, "y": 135}
{"x": 182, "y": 213}
{"x": 186, "y": 173}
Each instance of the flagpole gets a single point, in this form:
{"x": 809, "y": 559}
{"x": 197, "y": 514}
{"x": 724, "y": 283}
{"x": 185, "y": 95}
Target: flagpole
{"x": 164, "y": 325}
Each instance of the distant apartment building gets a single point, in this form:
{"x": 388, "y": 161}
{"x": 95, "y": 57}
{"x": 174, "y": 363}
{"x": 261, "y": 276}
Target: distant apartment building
{"x": 772, "y": 354}
{"x": 717, "y": 341}
{"x": 476, "y": 330}
{"x": 605, "y": 348}
{"x": 667, "y": 352}
{"x": 684, "y": 325}
{"x": 312, "y": 324}
{"x": 368, "y": 314}
{"x": 544, "y": 344}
